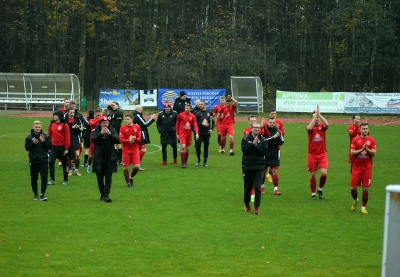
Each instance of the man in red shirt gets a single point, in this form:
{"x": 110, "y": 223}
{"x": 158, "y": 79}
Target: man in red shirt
{"x": 93, "y": 123}
{"x": 130, "y": 136}
{"x": 353, "y": 130}
{"x": 219, "y": 117}
{"x": 185, "y": 123}
{"x": 60, "y": 138}
{"x": 228, "y": 122}
{"x": 363, "y": 148}
{"x": 317, "y": 157}
{"x": 67, "y": 104}
{"x": 251, "y": 120}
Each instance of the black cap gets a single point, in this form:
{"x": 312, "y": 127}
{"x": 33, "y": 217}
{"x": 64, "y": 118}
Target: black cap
{"x": 182, "y": 93}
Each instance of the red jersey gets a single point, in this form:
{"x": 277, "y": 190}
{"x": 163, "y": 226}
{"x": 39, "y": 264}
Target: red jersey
{"x": 59, "y": 134}
{"x": 124, "y": 134}
{"x": 92, "y": 125}
{"x": 362, "y": 160}
{"x": 316, "y": 139}
{"x": 218, "y": 110}
{"x": 185, "y": 123}
{"x": 354, "y": 130}
{"x": 246, "y": 131}
{"x": 229, "y": 115}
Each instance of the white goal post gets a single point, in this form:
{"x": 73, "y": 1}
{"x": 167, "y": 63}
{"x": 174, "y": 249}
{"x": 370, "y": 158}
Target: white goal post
{"x": 391, "y": 235}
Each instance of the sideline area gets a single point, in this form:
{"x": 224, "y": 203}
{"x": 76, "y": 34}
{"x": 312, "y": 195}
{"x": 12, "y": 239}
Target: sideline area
{"x": 240, "y": 118}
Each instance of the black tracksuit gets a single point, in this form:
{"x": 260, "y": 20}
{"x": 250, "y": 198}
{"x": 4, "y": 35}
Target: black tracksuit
{"x": 253, "y": 166}
{"x": 38, "y": 159}
{"x": 179, "y": 104}
{"x": 166, "y": 128}
{"x": 204, "y": 135}
{"x": 272, "y": 157}
{"x": 139, "y": 120}
{"x": 104, "y": 158}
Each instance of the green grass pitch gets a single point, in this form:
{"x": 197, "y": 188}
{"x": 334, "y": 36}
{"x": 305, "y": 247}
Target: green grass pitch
{"x": 190, "y": 222}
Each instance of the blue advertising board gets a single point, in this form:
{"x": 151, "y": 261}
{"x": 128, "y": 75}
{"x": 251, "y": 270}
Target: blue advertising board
{"x": 209, "y": 96}
{"x": 127, "y": 98}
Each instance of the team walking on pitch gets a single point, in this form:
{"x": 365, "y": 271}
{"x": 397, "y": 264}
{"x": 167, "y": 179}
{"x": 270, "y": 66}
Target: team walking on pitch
{"x": 108, "y": 144}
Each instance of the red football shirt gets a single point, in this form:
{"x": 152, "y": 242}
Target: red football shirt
{"x": 229, "y": 115}
{"x": 316, "y": 139}
{"x": 185, "y": 123}
{"x": 363, "y": 160}
{"x": 218, "y": 110}
{"x": 246, "y": 131}
{"x": 59, "y": 134}
{"x": 125, "y": 132}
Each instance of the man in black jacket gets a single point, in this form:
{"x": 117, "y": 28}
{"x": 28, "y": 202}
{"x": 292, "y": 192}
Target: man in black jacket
{"x": 139, "y": 120}
{"x": 205, "y": 123}
{"x": 272, "y": 159}
{"x": 166, "y": 121}
{"x": 180, "y": 103}
{"x": 38, "y": 144}
{"x": 105, "y": 157}
{"x": 254, "y": 148}
{"x": 115, "y": 116}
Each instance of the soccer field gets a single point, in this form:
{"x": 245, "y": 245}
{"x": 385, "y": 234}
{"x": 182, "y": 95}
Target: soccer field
{"x": 190, "y": 222}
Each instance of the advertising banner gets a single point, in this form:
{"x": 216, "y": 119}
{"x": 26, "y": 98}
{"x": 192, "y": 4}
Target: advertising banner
{"x": 148, "y": 98}
{"x": 127, "y": 98}
{"x": 329, "y": 102}
{"x": 372, "y": 103}
{"x": 210, "y": 96}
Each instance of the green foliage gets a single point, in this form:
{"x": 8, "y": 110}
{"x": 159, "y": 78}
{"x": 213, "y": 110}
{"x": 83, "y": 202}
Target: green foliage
{"x": 290, "y": 45}
{"x": 190, "y": 222}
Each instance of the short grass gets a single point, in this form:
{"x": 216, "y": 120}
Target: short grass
{"x": 190, "y": 222}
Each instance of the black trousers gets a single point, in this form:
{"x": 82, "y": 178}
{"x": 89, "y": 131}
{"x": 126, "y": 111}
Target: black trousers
{"x": 251, "y": 178}
{"x": 104, "y": 181}
{"x": 36, "y": 169}
{"x": 205, "y": 139}
{"x": 164, "y": 151}
{"x": 57, "y": 152}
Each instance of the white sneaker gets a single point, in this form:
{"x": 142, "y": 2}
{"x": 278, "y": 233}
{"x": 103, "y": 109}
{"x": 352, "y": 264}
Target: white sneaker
{"x": 70, "y": 173}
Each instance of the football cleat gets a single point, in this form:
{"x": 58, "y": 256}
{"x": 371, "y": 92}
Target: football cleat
{"x": 256, "y": 212}
{"x": 354, "y": 206}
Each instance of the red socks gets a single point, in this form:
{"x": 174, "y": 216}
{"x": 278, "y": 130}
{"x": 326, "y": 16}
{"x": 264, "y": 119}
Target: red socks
{"x": 365, "y": 198}
{"x": 134, "y": 171}
{"x": 322, "y": 181}
{"x": 77, "y": 163}
{"x": 141, "y": 154}
{"x": 275, "y": 180}
{"x": 313, "y": 185}
{"x": 126, "y": 175}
